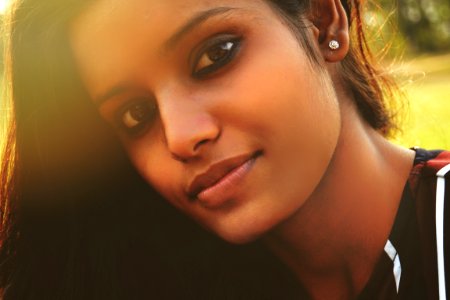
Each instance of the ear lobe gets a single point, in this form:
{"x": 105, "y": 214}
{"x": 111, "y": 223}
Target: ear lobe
{"x": 331, "y": 24}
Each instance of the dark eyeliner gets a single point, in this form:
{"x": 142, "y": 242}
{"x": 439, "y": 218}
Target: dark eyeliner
{"x": 209, "y": 44}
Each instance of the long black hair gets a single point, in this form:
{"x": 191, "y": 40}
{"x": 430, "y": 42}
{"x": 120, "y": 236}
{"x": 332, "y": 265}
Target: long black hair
{"x": 77, "y": 221}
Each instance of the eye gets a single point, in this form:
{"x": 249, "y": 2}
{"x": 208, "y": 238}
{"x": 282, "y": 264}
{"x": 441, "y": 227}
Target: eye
{"x": 215, "y": 54}
{"x": 135, "y": 117}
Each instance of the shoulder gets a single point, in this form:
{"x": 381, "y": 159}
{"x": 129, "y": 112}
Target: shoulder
{"x": 432, "y": 162}
{"x": 428, "y": 166}
{"x": 430, "y": 177}
{"x": 429, "y": 182}
{"x": 430, "y": 185}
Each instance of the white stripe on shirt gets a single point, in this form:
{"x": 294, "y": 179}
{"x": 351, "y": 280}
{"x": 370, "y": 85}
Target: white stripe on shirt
{"x": 393, "y": 255}
{"x": 440, "y": 196}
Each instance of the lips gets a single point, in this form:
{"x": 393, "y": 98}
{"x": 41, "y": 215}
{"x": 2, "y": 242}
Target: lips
{"x": 217, "y": 172}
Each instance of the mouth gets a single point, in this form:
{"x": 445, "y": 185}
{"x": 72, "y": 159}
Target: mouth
{"x": 221, "y": 177}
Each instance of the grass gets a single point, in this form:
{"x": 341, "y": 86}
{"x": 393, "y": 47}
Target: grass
{"x": 427, "y": 119}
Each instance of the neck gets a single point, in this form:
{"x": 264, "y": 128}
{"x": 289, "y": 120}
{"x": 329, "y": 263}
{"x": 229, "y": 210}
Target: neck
{"x": 334, "y": 241}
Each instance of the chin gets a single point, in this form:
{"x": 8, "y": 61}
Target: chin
{"x": 243, "y": 233}
{"x": 239, "y": 238}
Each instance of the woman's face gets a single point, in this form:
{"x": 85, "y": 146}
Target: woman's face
{"x": 218, "y": 107}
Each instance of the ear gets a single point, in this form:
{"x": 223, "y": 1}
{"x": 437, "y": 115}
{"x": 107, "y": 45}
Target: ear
{"x": 330, "y": 23}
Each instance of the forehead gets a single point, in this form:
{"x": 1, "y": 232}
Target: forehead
{"x": 109, "y": 32}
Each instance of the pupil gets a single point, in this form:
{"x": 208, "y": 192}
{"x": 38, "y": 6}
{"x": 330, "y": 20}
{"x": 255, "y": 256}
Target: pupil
{"x": 217, "y": 53}
{"x": 139, "y": 112}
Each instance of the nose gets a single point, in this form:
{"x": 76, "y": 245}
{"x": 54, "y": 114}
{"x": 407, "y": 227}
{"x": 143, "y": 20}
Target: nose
{"x": 188, "y": 128}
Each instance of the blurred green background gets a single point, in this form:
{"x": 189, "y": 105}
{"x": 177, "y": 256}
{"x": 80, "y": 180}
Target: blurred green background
{"x": 412, "y": 37}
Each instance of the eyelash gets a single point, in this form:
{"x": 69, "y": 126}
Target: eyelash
{"x": 229, "y": 44}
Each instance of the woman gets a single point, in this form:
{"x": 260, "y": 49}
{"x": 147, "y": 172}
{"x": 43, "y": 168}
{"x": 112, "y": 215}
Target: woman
{"x": 260, "y": 120}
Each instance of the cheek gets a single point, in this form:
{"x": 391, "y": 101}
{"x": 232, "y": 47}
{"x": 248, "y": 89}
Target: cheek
{"x": 299, "y": 121}
{"x": 308, "y": 130}
{"x": 282, "y": 99}
{"x": 154, "y": 163}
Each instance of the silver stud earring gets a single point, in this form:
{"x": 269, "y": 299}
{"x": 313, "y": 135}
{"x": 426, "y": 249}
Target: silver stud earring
{"x": 334, "y": 45}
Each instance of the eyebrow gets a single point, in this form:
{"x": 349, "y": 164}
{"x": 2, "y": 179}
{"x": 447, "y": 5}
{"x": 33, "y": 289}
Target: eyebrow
{"x": 116, "y": 90}
{"x": 193, "y": 22}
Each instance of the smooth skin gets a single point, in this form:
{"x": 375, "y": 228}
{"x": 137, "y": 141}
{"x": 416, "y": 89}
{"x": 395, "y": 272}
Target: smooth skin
{"x": 324, "y": 192}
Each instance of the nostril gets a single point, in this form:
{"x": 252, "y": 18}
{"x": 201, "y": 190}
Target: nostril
{"x": 200, "y": 143}
{"x": 178, "y": 158}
